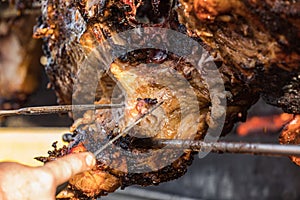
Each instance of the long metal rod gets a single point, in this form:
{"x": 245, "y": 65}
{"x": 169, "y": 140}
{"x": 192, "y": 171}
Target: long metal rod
{"x": 232, "y": 147}
{"x": 43, "y": 110}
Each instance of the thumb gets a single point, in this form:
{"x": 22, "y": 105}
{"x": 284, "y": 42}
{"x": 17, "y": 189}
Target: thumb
{"x": 64, "y": 168}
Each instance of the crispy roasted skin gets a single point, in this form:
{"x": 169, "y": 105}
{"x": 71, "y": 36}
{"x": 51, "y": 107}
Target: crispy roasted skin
{"x": 70, "y": 32}
{"x": 258, "y": 40}
{"x": 252, "y": 52}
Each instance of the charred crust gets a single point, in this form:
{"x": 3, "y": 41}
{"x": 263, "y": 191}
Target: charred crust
{"x": 53, "y": 154}
{"x": 159, "y": 176}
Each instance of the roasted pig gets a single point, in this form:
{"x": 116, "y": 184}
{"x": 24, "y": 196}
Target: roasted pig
{"x": 254, "y": 45}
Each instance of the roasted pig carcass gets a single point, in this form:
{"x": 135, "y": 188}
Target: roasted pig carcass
{"x": 248, "y": 53}
{"x": 19, "y": 54}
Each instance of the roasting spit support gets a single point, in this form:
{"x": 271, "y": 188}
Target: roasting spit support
{"x": 231, "y": 147}
{"x": 44, "y": 110}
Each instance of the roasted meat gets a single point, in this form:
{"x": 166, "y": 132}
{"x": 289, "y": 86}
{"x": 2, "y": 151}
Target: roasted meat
{"x": 178, "y": 117}
{"x": 259, "y": 40}
{"x": 251, "y": 47}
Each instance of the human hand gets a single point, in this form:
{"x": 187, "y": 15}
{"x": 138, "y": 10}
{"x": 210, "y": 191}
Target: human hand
{"x": 19, "y": 181}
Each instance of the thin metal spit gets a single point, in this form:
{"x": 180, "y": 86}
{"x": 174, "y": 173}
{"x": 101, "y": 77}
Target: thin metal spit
{"x": 45, "y": 110}
{"x": 232, "y": 147}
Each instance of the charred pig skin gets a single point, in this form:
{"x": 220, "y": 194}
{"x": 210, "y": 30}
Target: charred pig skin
{"x": 70, "y": 31}
{"x": 259, "y": 40}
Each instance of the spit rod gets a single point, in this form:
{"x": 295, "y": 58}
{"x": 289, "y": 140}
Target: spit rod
{"x": 43, "y": 110}
{"x": 232, "y": 147}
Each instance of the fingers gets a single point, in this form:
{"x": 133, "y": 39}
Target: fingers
{"x": 64, "y": 168}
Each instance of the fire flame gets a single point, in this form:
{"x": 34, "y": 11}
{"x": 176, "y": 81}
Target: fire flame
{"x": 264, "y": 124}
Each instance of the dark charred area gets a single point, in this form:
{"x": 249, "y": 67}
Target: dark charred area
{"x": 162, "y": 175}
{"x": 282, "y": 90}
{"x": 290, "y": 100}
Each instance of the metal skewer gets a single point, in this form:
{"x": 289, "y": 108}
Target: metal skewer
{"x": 44, "y": 110}
{"x": 232, "y": 147}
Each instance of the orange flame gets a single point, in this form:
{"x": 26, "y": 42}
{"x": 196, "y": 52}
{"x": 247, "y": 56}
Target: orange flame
{"x": 264, "y": 124}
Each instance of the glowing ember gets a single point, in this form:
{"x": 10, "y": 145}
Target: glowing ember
{"x": 264, "y": 124}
